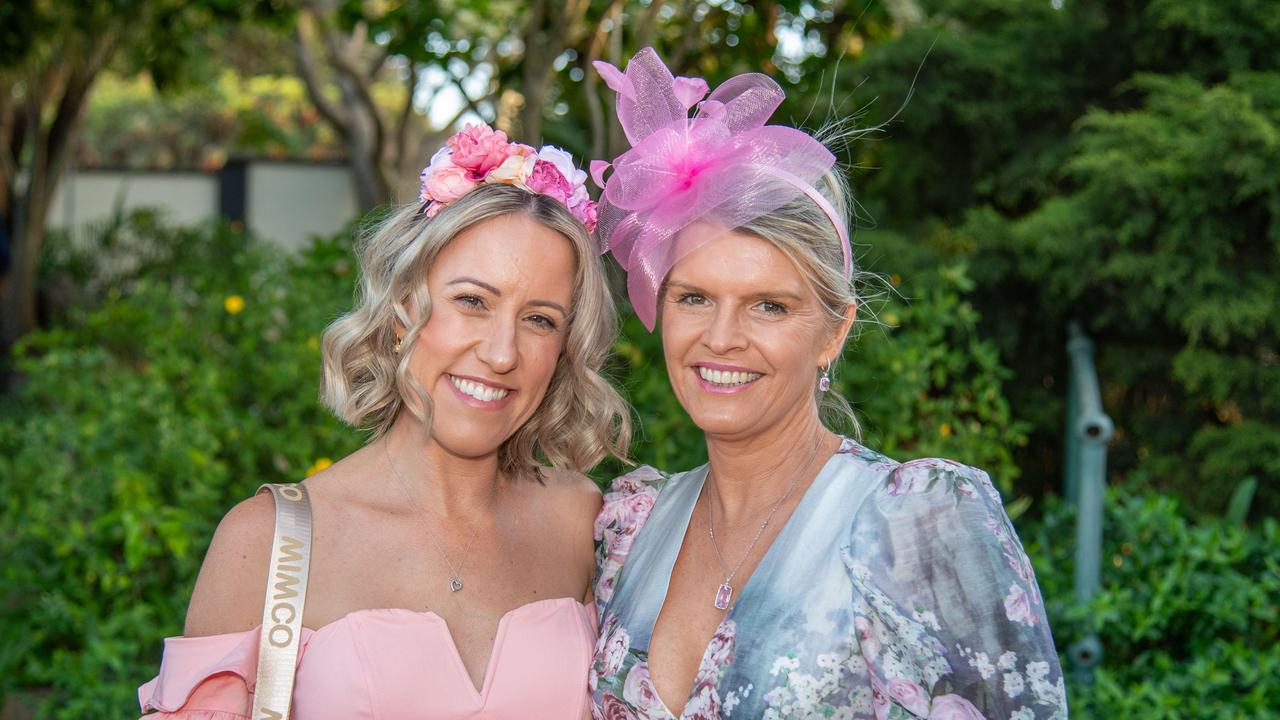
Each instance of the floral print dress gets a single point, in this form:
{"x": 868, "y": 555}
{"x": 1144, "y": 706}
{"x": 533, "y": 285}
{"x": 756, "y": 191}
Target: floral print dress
{"x": 895, "y": 590}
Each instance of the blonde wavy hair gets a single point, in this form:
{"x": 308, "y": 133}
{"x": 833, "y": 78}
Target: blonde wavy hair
{"x": 366, "y": 383}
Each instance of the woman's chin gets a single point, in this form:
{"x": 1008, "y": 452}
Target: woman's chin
{"x": 725, "y": 425}
{"x": 469, "y": 445}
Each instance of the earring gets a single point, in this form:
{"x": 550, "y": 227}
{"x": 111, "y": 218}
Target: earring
{"x": 396, "y": 349}
{"x": 824, "y": 382}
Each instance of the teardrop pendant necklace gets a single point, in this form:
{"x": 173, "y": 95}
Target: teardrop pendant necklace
{"x": 455, "y": 573}
{"x": 724, "y": 593}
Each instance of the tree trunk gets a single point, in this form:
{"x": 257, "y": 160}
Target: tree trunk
{"x": 26, "y": 244}
{"x": 50, "y": 144}
{"x": 355, "y": 116}
{"x": 550, "y": 28}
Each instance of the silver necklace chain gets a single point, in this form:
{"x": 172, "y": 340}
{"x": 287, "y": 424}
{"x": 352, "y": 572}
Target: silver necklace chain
{"x": 724, "y": 593}
{"x": 455, "y": 573}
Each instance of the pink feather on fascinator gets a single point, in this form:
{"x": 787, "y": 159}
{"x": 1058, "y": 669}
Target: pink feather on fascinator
{"x": 724, "y": 166}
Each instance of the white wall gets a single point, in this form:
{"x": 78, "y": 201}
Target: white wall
{"x": 285, "y": 202}
{"x": 289, "y": 202}
{"x": 88, "y": 198}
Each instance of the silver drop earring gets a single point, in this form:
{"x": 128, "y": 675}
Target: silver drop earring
{"x": 824, "y": 382}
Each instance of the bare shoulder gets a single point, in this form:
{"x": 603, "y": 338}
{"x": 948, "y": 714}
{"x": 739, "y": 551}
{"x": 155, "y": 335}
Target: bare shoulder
{"x": 229, "y": 591}
{"x": 574, "y": 493}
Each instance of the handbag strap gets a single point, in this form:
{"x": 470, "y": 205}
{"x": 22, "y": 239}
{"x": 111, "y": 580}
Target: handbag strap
{"x": 285, "y": 596}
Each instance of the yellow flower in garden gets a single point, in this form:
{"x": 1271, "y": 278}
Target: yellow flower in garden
{"x": 946, "y": 429}
{"x": 233, "y": 304}
{"x": 319, "y": 465}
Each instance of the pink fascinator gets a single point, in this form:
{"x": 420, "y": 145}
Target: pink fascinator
{"x": 478, "y": 155}
{"x": 723, "y": 165}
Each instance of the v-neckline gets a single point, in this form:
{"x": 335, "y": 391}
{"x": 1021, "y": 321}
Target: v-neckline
{"x": 670, "y": 563}
{"x": 479, "y": 694}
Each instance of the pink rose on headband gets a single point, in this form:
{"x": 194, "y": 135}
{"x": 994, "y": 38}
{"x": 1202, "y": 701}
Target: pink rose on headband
{"x": 479, "y": 148}
{"x": 548, "y": 180}
{"x": 588, "y": 214}
{"x": 449, "y": 184}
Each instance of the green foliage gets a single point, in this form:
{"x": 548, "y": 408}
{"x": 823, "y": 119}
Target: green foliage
{"x": 1168, "y": 248}
{"x": 1188, "y": 613}
{"x": 130, "y": 124}
{"x": 138, "y": 424}
{"x": 1001, "y": 84}
{"x": 927, "y": 383}
{"x": 1113, "y": 163}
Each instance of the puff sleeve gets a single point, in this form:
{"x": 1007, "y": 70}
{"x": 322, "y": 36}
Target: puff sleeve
{"x": 206, "y": 678}
{"x": 946, "y": 609}
{"x": 625, "y": 509}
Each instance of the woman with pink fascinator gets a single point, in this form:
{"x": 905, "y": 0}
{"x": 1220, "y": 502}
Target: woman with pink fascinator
{"x": 798, "y": 574}
{"x": 442, "y": 571}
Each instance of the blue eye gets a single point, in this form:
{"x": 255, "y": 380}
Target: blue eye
{"x": 544, "y": 322}
{"x": 469, "y": 301}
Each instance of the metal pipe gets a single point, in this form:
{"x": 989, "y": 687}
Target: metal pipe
{"x": 1089, "y": 429}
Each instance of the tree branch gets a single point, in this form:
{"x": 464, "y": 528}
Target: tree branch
{"x": 406, "y": 112}
{"x": 681, "y": 54}
{"x": 591, "y": 80}
{"x": 306, "y": 63}
{"x": 346, "y": 61}
{"x": 71, "y": 107}
{"x": 644, "y": 34}
{"x": 472, "y": 105}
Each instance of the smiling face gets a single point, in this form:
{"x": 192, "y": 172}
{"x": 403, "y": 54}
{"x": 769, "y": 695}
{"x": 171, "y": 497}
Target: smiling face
{"x": 743, "y": 335}
{"x": 500, "y": 296}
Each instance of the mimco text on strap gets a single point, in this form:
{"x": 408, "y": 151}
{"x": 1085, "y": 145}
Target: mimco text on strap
{"x": 286, "y": 596}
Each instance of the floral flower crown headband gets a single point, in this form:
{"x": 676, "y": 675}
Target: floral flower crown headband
{"x": 479, "y": 155}
{"x": 723, "y": 165}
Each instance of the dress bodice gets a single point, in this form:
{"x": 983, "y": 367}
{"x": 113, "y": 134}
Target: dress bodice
{"x": 387, "y": 664}
{"x": 895, "y": 590}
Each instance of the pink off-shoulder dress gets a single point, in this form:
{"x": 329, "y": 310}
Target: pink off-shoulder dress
{"x": 390, "y": 664}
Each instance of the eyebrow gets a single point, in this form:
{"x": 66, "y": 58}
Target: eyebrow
{"x": 763, "y": 294}
{"x": 498, "y": 293}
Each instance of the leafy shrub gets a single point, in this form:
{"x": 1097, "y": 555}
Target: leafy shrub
{"x": 1188, "y": 614}
{"x": 139, "y": 423}
{"x": 1167, "y": 250}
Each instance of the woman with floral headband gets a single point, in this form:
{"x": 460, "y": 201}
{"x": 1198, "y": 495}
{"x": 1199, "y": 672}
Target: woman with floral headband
{"x": 451, "y": 556}
{"x": 798, "y": 574}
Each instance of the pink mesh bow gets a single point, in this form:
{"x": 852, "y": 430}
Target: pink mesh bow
{"x": 723, "y": 166}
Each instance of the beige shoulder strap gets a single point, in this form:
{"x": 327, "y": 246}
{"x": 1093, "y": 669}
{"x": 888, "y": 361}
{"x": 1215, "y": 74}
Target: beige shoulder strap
{"x": 286, "y": 595}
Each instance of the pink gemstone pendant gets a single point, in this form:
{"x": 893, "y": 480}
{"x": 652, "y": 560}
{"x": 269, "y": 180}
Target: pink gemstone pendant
{"x": 723, "y": 596}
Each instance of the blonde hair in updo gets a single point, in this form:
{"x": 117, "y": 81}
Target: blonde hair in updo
{"x": 806, "y": 235}
{"x": 366, "y": 383}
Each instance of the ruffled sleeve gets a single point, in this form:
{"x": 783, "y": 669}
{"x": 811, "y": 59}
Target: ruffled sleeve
{"x": 947, "y": 612}
{"x": 206, "y": 678}
{"x": 626, "y": 508}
